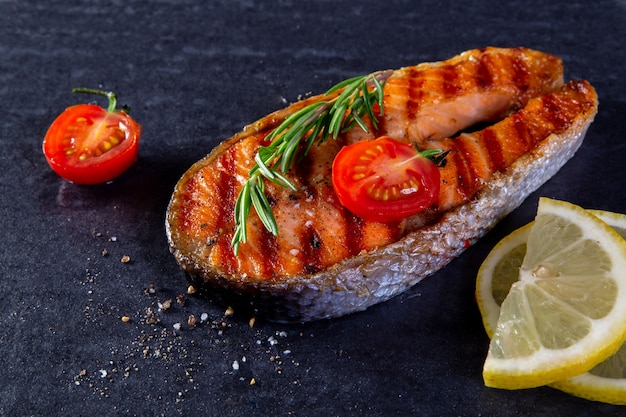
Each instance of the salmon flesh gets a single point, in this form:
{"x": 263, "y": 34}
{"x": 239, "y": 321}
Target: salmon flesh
{"x": 509, "y": 123}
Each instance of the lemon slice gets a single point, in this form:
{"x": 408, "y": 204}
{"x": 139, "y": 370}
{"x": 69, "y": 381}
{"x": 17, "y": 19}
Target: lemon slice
{"x": 607, "y": 381}
{"x": 564, "y": 313}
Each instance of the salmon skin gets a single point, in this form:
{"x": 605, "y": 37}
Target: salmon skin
{"x": 325, "y": 261}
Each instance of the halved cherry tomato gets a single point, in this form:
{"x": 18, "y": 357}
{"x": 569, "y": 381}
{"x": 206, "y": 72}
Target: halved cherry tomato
{"x": 88, "y": 144}
{"x": 385, "y": 180}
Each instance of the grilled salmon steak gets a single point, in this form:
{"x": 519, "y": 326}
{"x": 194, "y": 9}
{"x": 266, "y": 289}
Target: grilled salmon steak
{"x": 508, "y": 122}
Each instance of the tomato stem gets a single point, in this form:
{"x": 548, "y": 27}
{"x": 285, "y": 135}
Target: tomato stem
{"x": 108, "y": 94}
{"x": 437, "y": 156}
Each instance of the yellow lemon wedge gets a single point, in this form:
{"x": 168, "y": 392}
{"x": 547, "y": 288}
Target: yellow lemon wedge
{"x": 606, "y": 382}
{"x": 565, "y": 308}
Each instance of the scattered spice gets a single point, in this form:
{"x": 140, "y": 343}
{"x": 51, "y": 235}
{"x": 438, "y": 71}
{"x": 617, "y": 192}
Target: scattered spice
{"x": 150, "y": 290}
{"x": 164, "y": 336}
{"x": 151, "y": 316}
{"x": 165, "y": 305}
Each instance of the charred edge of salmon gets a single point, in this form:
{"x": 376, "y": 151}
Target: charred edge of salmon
{"x": 370, "y": 278}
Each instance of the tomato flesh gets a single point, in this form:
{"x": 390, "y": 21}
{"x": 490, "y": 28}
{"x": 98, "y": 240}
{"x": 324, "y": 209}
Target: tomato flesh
{"x": 384, "y": 180}
{"x": 88, "y": 144}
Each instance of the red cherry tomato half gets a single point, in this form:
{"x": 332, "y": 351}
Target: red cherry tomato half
{"x": 385, "y": 180}
{"x": 88, "y": 144}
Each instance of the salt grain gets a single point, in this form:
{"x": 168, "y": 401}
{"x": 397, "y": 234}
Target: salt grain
{"x": 235, "y": 365}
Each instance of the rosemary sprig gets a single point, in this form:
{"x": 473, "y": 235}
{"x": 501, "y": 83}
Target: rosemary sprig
{"x": 313, "y": 124}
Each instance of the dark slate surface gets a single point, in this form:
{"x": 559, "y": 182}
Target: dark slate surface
{"x": 194, "y": 73}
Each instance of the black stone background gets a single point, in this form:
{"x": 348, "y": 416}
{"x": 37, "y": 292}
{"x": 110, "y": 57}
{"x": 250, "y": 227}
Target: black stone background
{"x": 194, "y": 73}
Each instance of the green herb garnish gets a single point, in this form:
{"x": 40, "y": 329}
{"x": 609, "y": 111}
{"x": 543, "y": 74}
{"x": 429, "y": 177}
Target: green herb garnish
{"x": 312, "y": 124}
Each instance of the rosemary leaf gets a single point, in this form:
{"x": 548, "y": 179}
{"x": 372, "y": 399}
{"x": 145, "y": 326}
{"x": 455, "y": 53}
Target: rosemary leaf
{"x": 282, "y": 181}
{"x": 337, "y": 120}
{"x": 263, "y": 208}
{"x": 241, "y": 212}
{"x": 360, "y": 122}
{"x": 260, "y": 159}
{"x": 378, "y": 89}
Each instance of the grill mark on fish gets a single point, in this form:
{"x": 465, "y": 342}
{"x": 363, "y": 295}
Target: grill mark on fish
{"x": 449, "y": 84}
{"x": 270, "y": 257}
{"x": 492, "y": 146}
{"x": 226, "y": 187}
{"x": 466, "y": 171}
{"x": 521, "y": 74}
{"x": 554, "y": 116}
{"x": 521, "y": 130}
{"x": 484, "y": 78}
{"x": 414, "y": 93}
